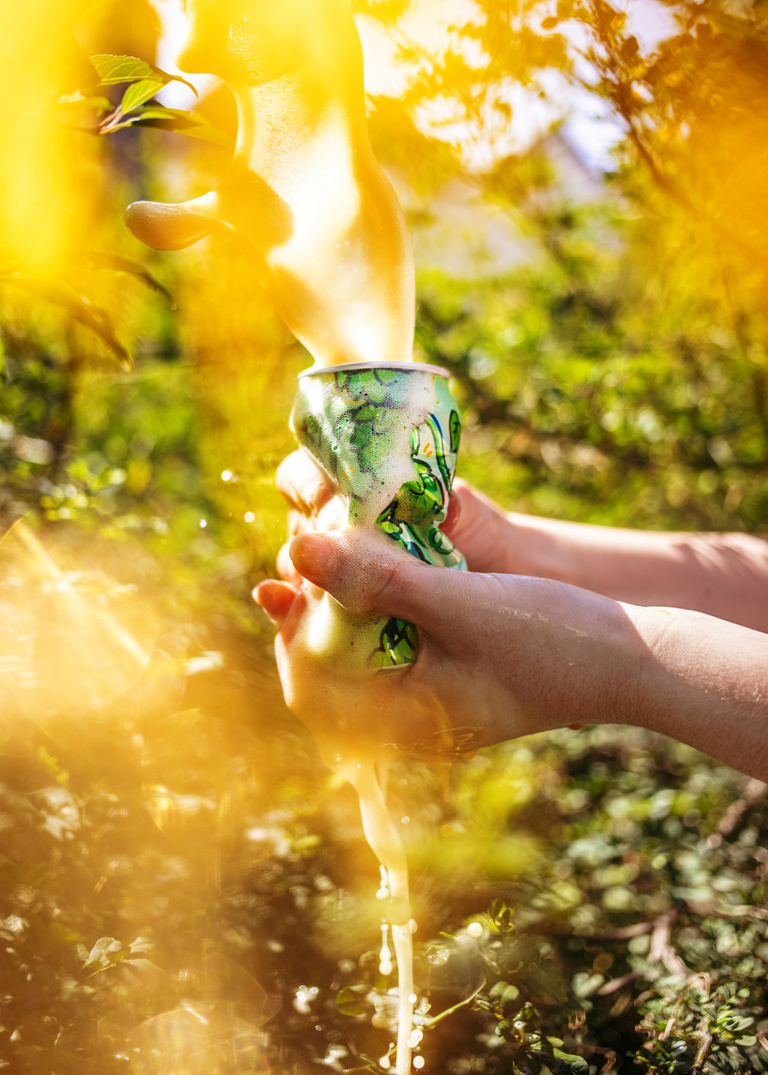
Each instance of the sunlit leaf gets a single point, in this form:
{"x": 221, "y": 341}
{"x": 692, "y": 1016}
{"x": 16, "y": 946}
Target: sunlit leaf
{"x": 78, "y": 307}
{"x": 106, "y": 952}
{"x": 126, "y": 265}
{"x": 141, "y": 944}
{"x": 140, "y": 92}
{"x": 112, "y": 70}
{"x": 174, "y": 119}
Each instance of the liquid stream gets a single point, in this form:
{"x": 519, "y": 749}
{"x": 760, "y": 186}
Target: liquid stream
{"x": 386, "y": 844}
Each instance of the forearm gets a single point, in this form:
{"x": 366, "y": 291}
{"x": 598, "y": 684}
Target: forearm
{"x": 723, "y": 575}
{"x": 706, "y": 684}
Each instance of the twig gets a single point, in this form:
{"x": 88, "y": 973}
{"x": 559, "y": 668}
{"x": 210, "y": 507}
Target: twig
{"x": 695, "y": 980}
{"x": 449, "y": 1011}
{"x": 754, "y": 792}
{"x": 707, "y": 1041}
{"x": 661, "y": 948}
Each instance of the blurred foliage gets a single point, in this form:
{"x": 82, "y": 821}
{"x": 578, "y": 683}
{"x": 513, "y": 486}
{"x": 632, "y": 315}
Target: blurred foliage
{"x": 184, "y": 887}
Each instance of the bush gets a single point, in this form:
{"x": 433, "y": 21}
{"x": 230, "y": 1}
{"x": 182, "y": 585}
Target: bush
{"x": 184, "y": 886}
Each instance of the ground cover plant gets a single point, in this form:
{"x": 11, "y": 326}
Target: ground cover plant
{"x": 183, "y": 886}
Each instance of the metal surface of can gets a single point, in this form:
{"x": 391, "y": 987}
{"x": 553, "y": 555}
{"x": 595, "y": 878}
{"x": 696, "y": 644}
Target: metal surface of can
{"x": 387, "y": 436}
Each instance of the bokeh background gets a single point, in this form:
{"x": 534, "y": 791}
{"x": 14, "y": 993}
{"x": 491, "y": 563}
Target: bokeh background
{"x": 184, "y": 888}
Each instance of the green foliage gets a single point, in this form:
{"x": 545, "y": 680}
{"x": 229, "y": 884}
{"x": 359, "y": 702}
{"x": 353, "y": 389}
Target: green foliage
{"x": 182, "y": 885}
{"x": 133, "y": 110}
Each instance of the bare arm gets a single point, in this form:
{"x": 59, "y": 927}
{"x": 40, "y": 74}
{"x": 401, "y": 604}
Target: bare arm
{"x": 504, "y": 655}
{"x": 707, "y": 685}
{"x": 723, "y": 575}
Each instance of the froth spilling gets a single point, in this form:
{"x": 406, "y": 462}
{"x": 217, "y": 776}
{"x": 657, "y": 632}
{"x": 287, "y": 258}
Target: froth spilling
{"x": 304, "y": 189}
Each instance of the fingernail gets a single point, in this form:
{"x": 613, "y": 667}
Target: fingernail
{"x": 310, "y": 553}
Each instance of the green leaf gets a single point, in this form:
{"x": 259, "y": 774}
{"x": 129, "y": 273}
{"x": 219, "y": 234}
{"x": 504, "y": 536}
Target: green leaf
{"x": 112, "y": 70}
{"x": 79, "y": 308}
{"x": 126, "y": 265}
{"x": 576, "y": 1063}
{"x": 508, "y": 1031}
{"x": 140, "y": 92}
{"x": 560, "y": 1063}
{"x": 504, "y": 993}
{"x": 173, "y": 119}
{"x": 348, "y": 1000}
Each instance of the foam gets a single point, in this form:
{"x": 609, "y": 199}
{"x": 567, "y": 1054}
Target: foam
{"x": 304, "y": 190}
{"x": 384, "y": 840}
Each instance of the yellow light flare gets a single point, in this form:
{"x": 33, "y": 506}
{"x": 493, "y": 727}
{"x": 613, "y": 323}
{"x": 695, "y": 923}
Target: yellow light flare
{"x": 73, "y": 638}
{"x": 39, "y": 195}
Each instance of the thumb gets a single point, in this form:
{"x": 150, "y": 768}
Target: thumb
{"x": 369, "y": 573}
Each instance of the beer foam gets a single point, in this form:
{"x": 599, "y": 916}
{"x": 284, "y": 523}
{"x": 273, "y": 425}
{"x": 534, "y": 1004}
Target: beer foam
{"x": 304, "y": 190}
{"x": 384, "y": 839}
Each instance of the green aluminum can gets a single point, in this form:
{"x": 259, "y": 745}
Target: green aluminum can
{"x": 387, "y": 436}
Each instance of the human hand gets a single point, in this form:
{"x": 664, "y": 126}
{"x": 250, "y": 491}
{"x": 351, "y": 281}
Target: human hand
{"x": 476, "y": 526}
{"x": 500, "y": 655}
{"x": 315, "y": 503}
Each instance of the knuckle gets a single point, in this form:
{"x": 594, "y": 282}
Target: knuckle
{"x": 388, "y": 586}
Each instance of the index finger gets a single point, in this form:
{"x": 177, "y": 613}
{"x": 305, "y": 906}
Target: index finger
{"x": 302, "y": 481}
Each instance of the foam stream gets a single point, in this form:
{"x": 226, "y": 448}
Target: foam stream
{"x": 385, "y": 842}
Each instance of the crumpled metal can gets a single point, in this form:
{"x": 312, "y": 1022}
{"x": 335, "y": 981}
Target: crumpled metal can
{"x": 387, "y": 436}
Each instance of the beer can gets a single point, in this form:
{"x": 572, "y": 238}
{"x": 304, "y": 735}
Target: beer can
{"x": 387, "y": 437}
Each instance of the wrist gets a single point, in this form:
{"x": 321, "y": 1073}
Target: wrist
{"x": 535, "y": 547}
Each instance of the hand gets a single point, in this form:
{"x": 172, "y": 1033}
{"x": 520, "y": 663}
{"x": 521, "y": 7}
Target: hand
{"x": 315, "y": 504}
{"x": 477, "y": 526}
{"x": 500, "y": 655}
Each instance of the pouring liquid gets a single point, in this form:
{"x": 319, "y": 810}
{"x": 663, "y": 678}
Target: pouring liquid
{"x": 384, "y": 840}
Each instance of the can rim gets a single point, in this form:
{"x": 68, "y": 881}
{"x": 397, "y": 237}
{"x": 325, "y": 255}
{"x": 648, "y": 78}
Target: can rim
{"x": 408, "y": 367}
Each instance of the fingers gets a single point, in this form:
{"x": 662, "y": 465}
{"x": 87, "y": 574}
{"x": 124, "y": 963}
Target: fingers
{"x": 285, "y": 567}
{"x": 276, "y": 598}
{"x": 367, "y": 572}
{"x": 451, "y": 524}
{"x": 479, "y": 528}
{"x": 303, "y": 483}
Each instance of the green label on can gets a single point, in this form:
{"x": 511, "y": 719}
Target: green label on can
{"x": 388, "y": 439}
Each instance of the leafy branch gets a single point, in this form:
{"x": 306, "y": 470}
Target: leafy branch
{"x": 137, "y": 107}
